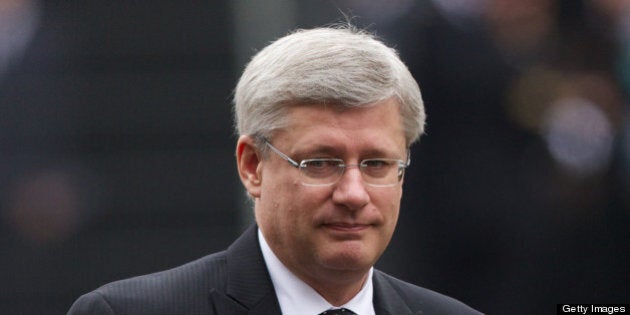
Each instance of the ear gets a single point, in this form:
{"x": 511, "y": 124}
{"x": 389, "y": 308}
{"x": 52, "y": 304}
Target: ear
{"x": 248, "y": 161}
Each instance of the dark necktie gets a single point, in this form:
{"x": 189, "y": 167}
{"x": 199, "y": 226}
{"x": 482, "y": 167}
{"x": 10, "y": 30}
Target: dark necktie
{"x": 339, "y": 311}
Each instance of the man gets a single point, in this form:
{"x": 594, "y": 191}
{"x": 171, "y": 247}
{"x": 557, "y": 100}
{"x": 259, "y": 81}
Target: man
{"x": 325, "y": 118}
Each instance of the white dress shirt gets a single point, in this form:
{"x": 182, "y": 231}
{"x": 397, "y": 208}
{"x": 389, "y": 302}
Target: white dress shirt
{"x": 297, "y": 297}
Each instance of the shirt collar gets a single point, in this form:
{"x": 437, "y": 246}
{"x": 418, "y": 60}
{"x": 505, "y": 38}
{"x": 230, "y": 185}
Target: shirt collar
{"x": 297, "y": 297}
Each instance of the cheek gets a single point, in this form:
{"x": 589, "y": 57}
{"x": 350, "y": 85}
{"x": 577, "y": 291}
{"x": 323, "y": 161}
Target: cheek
{"x": 387, "y": 200}
{"x": 290, "y": 204}
{"x": 388, "y": 204}
{"x": 390, "y": 213}
{"x": 396, "y": 204}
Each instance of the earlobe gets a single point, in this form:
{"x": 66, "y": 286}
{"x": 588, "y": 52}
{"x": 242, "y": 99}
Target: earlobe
{"x": 249, "y": 163}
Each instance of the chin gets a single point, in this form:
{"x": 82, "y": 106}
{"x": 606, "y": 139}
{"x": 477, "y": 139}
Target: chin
{"x": 350, "y": 258}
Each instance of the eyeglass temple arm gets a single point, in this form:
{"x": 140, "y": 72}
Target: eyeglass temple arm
{"x": 282, "y": 155}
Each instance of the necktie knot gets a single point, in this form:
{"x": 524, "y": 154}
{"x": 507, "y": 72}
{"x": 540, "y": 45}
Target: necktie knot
{"x": 338, "y": 311}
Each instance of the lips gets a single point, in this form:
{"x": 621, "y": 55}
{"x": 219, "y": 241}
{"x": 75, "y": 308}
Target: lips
{"x": 346, "y": 227}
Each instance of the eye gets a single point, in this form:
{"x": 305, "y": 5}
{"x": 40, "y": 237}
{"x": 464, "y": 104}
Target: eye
{"x": 315, "y": 164}
{"x": 320, "y": 167}
{"x": 378, "y": 168}
{"x": 376, "y": 164}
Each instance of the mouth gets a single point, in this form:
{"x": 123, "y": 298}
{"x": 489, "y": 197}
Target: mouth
{"x": 346, "y": 227}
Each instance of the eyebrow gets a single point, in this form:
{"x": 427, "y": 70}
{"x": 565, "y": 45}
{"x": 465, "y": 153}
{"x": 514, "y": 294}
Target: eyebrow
{"x": 330, "y": 151}
{"x": 319, "y": 151}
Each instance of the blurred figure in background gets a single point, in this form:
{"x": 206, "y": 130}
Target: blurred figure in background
{"x": 523, "y": 150}
{"x": 19, "y": 19}
{"x": 108, "y": 100}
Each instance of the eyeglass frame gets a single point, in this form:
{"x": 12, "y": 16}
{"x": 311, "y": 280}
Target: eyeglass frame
{"x": 402, "y": 166}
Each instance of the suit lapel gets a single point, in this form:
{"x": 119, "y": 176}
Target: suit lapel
{"x": 387, "y": 301}
{"x": 249, "y": 288}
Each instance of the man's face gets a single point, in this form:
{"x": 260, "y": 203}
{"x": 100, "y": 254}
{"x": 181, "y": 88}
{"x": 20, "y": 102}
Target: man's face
{"x": 319, "y": 232}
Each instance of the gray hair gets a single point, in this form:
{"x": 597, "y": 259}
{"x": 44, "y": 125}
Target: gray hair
{"x": 338, "y": 66}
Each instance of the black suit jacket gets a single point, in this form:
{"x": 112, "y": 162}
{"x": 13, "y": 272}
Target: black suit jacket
{"x": 236, "y": 281}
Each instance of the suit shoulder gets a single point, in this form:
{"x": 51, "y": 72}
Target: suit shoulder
{"x": 185, "y": 286}
{"x": 208, "y": 270}
{"x": 91, "y": 303}
{"x": 423, "y": 299}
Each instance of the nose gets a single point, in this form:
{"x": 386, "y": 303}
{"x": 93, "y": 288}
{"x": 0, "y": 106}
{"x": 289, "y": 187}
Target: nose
{"x": 350, "y": 190}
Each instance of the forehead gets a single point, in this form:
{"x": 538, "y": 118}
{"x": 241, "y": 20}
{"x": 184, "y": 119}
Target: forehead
{"x": 377, "y": 127}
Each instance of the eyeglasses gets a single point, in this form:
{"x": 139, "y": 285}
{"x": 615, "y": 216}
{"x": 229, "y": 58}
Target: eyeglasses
{"x": 326, "y": 172}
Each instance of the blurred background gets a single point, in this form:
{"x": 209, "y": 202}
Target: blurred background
{"x": 116, "y": 143}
